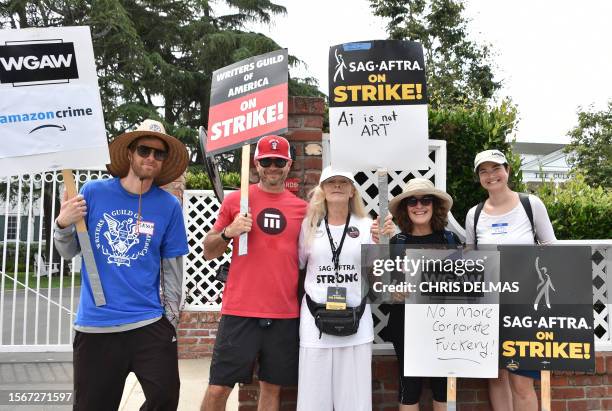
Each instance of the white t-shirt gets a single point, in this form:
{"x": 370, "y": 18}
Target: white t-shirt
{"x": 320, "y": 274}
{"x": 512, "y": 227}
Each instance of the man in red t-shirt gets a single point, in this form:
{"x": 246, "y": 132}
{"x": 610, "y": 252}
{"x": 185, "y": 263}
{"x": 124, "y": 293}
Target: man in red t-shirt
{"x": 259, "y": 315}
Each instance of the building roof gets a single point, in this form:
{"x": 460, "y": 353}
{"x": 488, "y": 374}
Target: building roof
{"x": 521, "y": 147}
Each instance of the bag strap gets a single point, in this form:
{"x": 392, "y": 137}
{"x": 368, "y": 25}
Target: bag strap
{"x": 479, "y": 208}
{"x": 450, "y": 239}
{"x": 524, "y": 198}
{"x": 313, "y": 307}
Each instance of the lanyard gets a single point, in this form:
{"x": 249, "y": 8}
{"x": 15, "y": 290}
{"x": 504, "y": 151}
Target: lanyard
{"x": 336, "y": 252}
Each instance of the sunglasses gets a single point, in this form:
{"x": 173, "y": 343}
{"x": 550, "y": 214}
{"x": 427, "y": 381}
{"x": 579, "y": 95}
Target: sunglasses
{"x": 278, "y": 162}
{"x": 145, "y": 151}
{"x": 425, "y": 201}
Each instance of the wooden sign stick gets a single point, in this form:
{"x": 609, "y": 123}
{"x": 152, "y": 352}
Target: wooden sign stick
{"x": 451, "y": 393}
{"x": 85, "y": 243}
{"x": 545, "y": 389}
{"x": 383, "y": 201}
{"x": 244, "y": 193}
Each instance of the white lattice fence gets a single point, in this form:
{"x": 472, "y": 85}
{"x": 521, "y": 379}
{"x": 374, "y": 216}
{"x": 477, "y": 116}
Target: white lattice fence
{"x": 202, "y": 291}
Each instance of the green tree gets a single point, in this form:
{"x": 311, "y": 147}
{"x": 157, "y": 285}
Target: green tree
{"x": 459, "y": 70}
{"x": 467, "y": 131}
{"x": 590, "y": 150}
{"x": 577, "y": 210}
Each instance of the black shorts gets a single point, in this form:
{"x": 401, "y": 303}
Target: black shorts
{"x": 242, "y": 340}
{"x": 103, "y": 361}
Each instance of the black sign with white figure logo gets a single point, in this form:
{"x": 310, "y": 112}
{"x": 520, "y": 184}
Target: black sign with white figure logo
{"x": 271, "y": 221}
{"x": 25, "y": 62}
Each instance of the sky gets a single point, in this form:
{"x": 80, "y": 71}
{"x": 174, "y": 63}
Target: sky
{"x": 552, "y": 56}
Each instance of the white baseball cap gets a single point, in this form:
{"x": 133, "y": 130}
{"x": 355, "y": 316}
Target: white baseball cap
{"x": 329, "y": 172}
{"x": 494, "y": 156}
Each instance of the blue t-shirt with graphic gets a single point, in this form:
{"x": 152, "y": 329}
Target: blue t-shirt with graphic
{"x": 128, "y": 251}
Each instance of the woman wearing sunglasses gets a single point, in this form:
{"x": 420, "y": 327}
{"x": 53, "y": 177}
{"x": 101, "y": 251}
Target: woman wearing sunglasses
{"x": 503, "y": 219}
{"x": 336, "y": 329}
{"x": 421, "y": 214}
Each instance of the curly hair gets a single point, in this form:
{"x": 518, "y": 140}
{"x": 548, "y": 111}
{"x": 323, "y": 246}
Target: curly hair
{"x": 438, "y": 221}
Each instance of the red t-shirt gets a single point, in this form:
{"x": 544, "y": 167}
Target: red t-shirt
{"x": 263, "y": 283}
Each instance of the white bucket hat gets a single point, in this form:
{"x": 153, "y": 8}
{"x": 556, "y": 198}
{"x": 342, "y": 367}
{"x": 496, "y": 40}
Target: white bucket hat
{"x": 420, "y": 187}
{"x": 494, "y": 156}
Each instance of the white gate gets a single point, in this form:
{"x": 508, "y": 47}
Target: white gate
{"x": 39, "y": 291}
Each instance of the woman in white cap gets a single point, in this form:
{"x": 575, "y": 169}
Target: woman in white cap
{"x": 507, "y": 217}
{"x": 420, "y": 211}
{"x": 336, "y": 329}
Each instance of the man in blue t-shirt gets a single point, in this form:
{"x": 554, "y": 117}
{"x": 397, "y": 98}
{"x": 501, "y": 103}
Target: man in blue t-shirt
{"x": 137, "y": 235}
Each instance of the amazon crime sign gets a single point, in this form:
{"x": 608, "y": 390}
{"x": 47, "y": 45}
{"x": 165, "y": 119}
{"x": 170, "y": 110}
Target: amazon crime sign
{"x": 50, "y": 109}
{"x": 548, "y": 323}
{"x": 248, "y": 100}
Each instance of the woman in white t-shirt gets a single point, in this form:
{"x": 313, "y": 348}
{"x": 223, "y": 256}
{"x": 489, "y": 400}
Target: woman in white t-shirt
{"x": 504, "y": 220}
{"x": 334, "y": 370}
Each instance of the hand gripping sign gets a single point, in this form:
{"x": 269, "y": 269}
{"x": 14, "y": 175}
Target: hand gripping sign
{"x": 50, "y": 111}
{"x": 248, "y": 100}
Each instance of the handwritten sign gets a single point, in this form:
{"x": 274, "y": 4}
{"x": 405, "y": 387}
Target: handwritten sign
{"x": 378, "y": 105}
{"x": 451, "y": 312}
{"x": 457, "y": 340}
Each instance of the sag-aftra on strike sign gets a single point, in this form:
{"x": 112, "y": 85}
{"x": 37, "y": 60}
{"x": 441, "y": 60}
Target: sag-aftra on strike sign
{"x": 50, "y": 111}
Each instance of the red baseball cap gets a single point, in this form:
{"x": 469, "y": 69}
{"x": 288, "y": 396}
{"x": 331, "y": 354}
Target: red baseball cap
{"x": 272, "y": 146}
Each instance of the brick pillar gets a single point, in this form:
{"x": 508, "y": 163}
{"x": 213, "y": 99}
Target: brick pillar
{"x": 305, "y": 135}
{"x": 177, "y": 187}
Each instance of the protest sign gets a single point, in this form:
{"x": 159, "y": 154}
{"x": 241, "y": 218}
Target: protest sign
{"x": 452, "y": 339}
{"x": 378, "y": 105}
{"x": 50, "y": 110}
{"x": 548, "y": 324}
{"x": 248, "y": 100}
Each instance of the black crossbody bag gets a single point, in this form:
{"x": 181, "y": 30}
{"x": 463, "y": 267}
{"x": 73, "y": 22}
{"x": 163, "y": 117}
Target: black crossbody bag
{"x": 336, "y": 322}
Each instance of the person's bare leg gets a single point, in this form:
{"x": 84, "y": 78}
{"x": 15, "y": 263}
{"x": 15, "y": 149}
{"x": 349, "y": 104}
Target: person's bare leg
{"x": 269, "y": 397}
{"x": 523, "y": 394}
{"x": 411, "y": 407}
{"x": 215, "y": 398}
{"x": 439, "y": 406}
{"x": 500, "y": 393}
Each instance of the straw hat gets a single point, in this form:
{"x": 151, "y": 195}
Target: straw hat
{"x": 172, "y": 167}
{"x": 420, "y": 187}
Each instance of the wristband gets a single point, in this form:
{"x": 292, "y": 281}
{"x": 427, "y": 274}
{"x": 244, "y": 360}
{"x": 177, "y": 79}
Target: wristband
{"x": 224, "y": 237}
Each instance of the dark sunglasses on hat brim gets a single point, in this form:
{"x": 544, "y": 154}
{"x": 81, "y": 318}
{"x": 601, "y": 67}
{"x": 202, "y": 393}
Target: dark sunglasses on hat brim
{"x": 268, "y": 161}
{"x": 145, "y": 151}
{"x": 425, "y": 201}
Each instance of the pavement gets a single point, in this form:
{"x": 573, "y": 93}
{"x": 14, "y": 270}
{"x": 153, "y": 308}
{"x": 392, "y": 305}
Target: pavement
{"x": 53, "y": 371}
{"x": 194, "y": 379}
